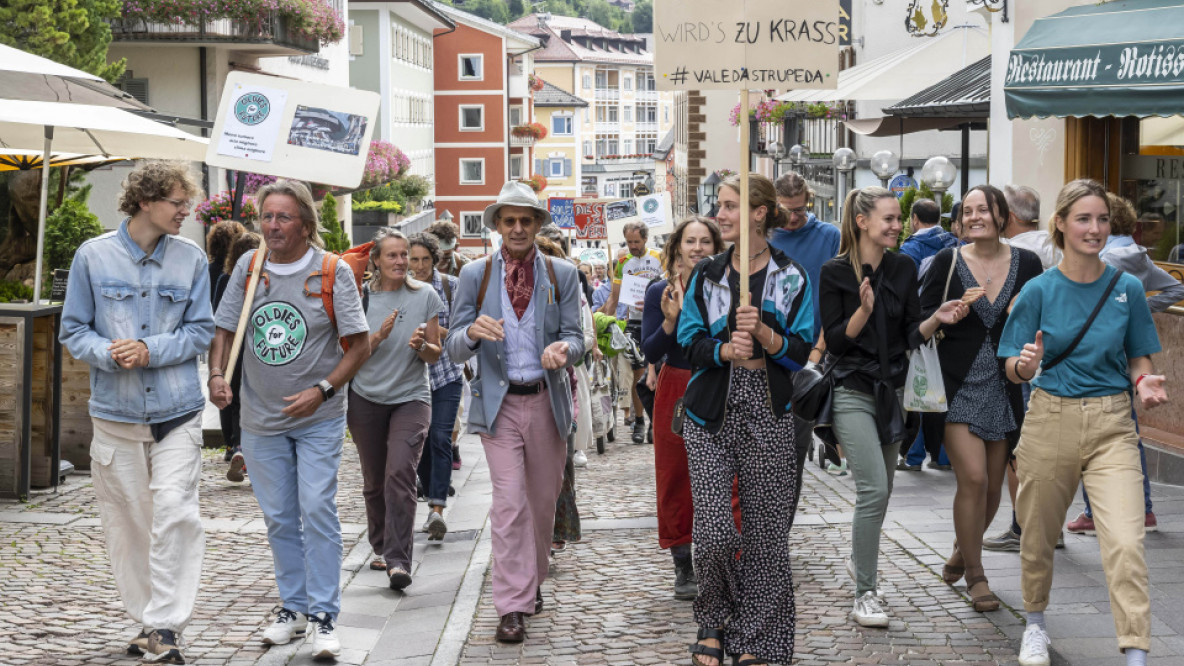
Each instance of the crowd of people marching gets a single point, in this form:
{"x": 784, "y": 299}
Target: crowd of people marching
{"x": 1043, "y": 334}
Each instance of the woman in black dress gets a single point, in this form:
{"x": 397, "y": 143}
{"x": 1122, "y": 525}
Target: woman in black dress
{"x": 985, "y": 410}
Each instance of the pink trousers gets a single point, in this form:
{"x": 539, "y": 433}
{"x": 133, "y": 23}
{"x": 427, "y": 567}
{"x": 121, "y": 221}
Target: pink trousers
{"x": 525, "y": 460}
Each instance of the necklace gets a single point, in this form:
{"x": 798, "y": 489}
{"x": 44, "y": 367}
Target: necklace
{"x": 752, "y": 257}
{"x": 983, "y": 263}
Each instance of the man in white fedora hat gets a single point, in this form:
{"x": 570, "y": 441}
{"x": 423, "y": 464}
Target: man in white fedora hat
{"x": 518, "y": 312}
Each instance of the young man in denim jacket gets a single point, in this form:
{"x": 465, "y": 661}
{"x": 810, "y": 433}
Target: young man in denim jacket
{"x": 138, "y": 312}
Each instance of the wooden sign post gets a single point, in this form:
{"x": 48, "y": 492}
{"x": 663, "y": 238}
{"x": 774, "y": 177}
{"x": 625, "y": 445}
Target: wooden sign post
{"x": 745, "y": 45}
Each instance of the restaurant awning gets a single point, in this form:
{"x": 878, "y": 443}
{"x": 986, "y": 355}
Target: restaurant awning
{"x": 1121, "y": 58}
{"x": 905, "y": 72}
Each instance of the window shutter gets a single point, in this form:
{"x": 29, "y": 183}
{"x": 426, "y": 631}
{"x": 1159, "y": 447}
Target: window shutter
{"x": 538, "y": 166}
{"x": 567, "y": 168}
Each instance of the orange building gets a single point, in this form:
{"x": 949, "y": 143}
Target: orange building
{"x": 482, "y": 72}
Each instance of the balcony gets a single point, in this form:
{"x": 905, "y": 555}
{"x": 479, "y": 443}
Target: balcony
{"x": 646, "y": 126}
{"x": 608, "y": 94}
{"x": 647, "y": 95}
{"x": 270, "y": 35}
{"x": 521, "y": 141}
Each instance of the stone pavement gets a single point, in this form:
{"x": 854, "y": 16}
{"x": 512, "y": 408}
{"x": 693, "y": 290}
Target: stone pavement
{"x": 608, "y": 597}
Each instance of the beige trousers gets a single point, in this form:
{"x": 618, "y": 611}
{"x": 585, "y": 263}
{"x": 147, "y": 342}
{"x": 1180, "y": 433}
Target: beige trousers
{"x": 147, "y": 493}
{"x": 1065, "y": 441}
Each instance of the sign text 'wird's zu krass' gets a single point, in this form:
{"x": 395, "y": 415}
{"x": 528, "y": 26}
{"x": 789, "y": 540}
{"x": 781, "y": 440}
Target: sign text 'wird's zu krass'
{"x": 745, "y": 44}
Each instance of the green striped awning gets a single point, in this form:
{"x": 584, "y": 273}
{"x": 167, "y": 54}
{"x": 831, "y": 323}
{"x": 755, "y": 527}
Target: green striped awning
{"x": 1121, "y": 58}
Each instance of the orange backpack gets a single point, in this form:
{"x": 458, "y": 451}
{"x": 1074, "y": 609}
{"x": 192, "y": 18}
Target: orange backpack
{"x": 357, "y": 258}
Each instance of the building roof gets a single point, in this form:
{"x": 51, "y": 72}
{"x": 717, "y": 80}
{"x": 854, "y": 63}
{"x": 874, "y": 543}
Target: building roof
{"x": 553, "y": 95}
{"x": 662, "y": 151}
{"x": 570, "y": 38}
{"x": 486, "y": 25}
{"x": 966, "y": 92}
{"x": 433, "y": 17}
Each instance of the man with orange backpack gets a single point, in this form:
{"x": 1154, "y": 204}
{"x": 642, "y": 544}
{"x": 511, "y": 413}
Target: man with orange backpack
{"x": 293, "y": 416}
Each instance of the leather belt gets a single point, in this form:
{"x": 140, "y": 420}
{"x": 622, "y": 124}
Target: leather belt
{"x": 527, "y": 389}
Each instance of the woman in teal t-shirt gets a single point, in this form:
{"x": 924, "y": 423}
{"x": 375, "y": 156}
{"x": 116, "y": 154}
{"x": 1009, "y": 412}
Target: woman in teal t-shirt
{"x": 1079, "y": 427}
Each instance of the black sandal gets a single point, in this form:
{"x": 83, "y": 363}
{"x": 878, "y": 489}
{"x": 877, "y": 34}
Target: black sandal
{"x": 717, "y": 653}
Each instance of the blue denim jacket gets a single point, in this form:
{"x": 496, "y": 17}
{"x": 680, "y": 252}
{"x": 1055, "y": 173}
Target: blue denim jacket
{"x": 118, "y": 291}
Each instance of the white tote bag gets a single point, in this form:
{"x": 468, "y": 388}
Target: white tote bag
{"x": 924, "y": 389}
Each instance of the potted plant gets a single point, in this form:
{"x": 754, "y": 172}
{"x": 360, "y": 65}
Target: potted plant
{"x": 537, "y": 182}
{"x": 220, "y": 207}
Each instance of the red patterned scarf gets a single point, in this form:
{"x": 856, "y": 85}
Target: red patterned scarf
{"x": 519, "y": 280}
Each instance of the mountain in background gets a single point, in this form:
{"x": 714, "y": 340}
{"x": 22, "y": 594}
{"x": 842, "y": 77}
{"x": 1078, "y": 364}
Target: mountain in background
{"x": 625, "y": 16}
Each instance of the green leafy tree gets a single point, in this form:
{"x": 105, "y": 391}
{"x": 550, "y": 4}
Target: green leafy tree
{"x": 643, "y": 16}
{"x": 72, "y": 32}
{"x": 65, "y": 230}
{"x": 334, "y": 235}
{"x": 518, "y": 9}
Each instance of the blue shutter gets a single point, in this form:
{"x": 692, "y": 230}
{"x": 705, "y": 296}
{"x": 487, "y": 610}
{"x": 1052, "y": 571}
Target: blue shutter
{"x": 538, "y": 166}
{"x": 567, "y": 168}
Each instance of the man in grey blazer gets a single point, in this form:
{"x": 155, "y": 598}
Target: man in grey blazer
{"x": 518, "y": 312}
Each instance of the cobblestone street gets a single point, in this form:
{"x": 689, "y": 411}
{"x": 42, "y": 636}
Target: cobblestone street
{"x": 609, "y": 596}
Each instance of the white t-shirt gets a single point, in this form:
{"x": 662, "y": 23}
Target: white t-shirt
{"x": 1040, "y": 242}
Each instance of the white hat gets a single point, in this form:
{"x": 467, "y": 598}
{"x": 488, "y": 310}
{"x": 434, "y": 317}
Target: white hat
{"x": 515, "y": 193}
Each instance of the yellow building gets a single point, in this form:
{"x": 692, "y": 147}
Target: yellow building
{"x": 557, "y": 156}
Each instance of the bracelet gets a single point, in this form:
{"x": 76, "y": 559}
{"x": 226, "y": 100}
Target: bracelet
{"x": 1015, "y": 369}
{"x": 1140, "y": 378}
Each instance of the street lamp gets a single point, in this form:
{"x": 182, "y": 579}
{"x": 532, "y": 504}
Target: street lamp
{"x": 446, "y": 216}
{"x": 939, "y": 174}
{"x": 885, "y": 164}
{"x": 796, "y": 153}
{"x": 844, "y": 161}
{"x": 711, "y": 193}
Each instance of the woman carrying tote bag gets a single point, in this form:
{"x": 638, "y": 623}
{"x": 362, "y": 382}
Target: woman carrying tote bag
{"x": 985, "y": 410}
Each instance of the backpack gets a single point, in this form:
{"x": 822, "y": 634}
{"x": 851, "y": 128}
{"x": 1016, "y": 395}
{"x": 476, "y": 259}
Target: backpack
{"x": 357, "y": 258}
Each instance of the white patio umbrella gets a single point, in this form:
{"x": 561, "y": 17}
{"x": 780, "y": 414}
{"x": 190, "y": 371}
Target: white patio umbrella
{"x": 87, "y": 130}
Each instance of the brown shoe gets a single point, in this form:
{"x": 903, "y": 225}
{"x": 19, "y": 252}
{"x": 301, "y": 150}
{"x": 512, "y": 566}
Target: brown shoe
{"x": 538, "y": 600}
{"x": 511, "y": 628}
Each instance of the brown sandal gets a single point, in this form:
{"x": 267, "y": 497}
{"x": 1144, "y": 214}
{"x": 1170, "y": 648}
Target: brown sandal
{"x": 984, "y": 603}
{"x": 951, "y": 574}
{"x": 378, "y": 564}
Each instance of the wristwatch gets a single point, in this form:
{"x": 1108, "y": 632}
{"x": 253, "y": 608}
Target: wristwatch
{"x": 327, "y": 390}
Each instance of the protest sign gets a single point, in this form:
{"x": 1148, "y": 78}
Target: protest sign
{"x": 293, "y": 129}
{"x": 589, "y": 217}
{"x": 593, "y": 255}
{"x": 746, "y": 45}
{"x": 654, "y": 210}
{"x": 562, "y": 212}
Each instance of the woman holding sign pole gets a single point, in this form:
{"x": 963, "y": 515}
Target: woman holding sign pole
{"x": 871, "y": 317}
{"x": 745, "y": 605}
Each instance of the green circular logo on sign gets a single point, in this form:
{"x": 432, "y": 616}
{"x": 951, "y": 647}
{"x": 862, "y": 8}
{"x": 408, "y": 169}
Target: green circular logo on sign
{"x": 252, "y": 108}
{"x": 280, "y": 332}
{"x": 650, "y": 206}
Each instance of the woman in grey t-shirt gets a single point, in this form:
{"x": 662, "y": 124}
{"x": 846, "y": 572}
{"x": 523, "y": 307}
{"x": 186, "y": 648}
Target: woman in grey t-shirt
{"x": 390, "y": 401}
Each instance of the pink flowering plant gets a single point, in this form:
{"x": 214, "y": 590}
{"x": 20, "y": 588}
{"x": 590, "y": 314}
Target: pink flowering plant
{"x": 314, "y": 19}
{"x": 220, "y": 207}
{"x": 768, "y": 111}
{"x": 384, "y": 163}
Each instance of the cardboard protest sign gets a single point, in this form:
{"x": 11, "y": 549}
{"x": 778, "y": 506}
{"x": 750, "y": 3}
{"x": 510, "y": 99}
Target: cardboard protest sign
{"x": 746, "y": 44}
{"x": 293, "y": 129}
{"x": 590, "y": 220}
{"x": 654, "y": 210}
{"x": 562, "y": 212}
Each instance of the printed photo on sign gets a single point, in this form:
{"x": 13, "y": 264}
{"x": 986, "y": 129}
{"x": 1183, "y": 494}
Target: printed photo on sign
{"x": 252, "y": 123}
{"x": 323, "y": 129}
{"x": 618, "y": 210}
{"x": 279, "y": 333}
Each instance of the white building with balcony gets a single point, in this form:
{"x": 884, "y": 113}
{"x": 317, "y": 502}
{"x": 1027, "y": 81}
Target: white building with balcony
{"x": 625, "y": 117}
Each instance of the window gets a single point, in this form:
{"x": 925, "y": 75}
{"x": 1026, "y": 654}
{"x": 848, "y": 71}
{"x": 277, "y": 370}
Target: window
{"x": 610, "y": 189}
{"x": 561, "y": 125}
{"x": 516, "y": 167}
{"x": 587, "y": 115}
{"x": 472, "y": 225}
{"x": 515, "y": 116}
{"x": 628, "y": 85}
{"x": 471, "y": 67}
{"x": 588, "y": 148}
{"x": 472, "y": 172}
{"x": 627, "y": 146}
{"x": 628, "y": 114}
{"x": 587, "y": 80}
{"x": 601, "y": 80}
{"x": 472, "y": 118}
{"x": 555, "y": 168}
{"x": 137, "y": 88}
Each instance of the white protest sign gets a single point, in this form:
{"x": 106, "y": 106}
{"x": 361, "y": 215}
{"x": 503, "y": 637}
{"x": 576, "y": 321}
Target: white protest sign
{"x": 654, "y": 210}
{"x": 293, "y": 129}
{"x": 251, "y": 130}
{"x": 746, "y": 44}
{"x": 633, "y": 289}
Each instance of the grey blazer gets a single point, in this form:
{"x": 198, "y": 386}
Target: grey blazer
{"x": 555, "y": 319}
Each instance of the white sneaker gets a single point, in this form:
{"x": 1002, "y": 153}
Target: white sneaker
{"x": 579, "y": 459}
{"x": 287, "y": 625}
{"x": 324, "y": 639}
{"x": 1034, "y": 648}
{"x": 868, "y": 612}
{"x": 436, "y": 527}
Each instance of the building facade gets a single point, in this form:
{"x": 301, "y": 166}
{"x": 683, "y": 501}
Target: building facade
{"x": 625, "y": 117}
{"x": 557, "y": 156}
{"x": 482, "y": 87}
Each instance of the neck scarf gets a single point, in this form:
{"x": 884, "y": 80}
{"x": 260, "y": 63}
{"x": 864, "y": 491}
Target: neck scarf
{"x": 519, "y": 280}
